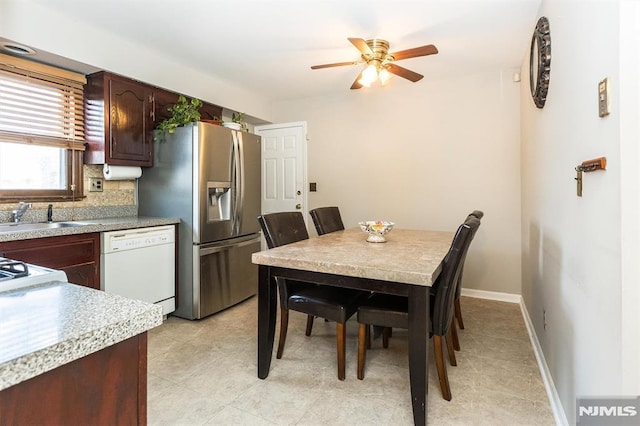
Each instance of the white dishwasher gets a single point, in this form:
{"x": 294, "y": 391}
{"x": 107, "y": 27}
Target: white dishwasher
{"x": 140, "y": 264}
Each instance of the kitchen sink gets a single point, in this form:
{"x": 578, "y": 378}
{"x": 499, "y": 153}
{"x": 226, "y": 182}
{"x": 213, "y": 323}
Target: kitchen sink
{"x": 23, "y": 227}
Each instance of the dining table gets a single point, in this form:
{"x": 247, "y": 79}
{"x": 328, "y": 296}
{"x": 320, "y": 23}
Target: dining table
{"x": 407, "y": 264}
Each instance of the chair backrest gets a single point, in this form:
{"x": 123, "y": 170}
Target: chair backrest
{"x": 477, "y": 213}
{"x": 327, "y": 219}
{"x": 474, "y": 221}
{"x": 443, "y": 307}
{"x": 283, "y": 228}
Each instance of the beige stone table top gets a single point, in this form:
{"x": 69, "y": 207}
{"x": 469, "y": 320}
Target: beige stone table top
{"x": 409, "y": 256}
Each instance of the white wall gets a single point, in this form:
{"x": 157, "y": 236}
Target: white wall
{"x": 43, "y": 28}
{"x": 630, "y": 188}
{"x": 572, "y": 246}
{"x": 424, "y": 155}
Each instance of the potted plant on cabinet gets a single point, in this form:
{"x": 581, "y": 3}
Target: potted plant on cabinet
{"x": 182, "y": 112}
{"x": 237, "y": 122}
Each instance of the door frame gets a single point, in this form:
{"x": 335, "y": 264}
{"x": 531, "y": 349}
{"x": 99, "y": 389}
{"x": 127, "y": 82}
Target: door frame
{"x": 305, "y": 178}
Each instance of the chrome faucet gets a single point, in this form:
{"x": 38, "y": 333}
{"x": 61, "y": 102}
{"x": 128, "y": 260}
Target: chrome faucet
{"x": 22, "y": 208}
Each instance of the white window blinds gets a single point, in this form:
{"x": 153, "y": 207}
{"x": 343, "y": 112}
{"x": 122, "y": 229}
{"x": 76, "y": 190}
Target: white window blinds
{"x": 40, "y": 104}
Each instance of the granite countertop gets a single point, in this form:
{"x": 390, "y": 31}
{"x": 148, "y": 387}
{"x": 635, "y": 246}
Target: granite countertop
{"x": 49, "y": 325}
{"x": 90, "y": 225}
{"x": 409, "y": 256}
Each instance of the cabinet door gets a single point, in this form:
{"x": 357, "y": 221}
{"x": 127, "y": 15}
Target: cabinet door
{"x": 77, "y": 255}
{"x": 210, "y": 112}
{"x": 118, "y": 121}
{"x": 108, "y": 387}
{"x": 130, "y": 123}
{"x": 163, "y": 100}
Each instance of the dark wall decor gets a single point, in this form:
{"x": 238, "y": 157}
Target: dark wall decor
{"x": 540, "y": 62}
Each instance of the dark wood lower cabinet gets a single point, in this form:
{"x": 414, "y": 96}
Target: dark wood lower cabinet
{"x": 108, "y": 387}
{"x": 77, "y": 255}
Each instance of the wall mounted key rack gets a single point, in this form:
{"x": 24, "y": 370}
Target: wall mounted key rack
{"x": 589, "y": 166}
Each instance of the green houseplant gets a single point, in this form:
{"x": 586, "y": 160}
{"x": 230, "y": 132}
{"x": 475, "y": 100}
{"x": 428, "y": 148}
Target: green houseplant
{"x": 182, "y": 112}
{"x": 238, "y": 118}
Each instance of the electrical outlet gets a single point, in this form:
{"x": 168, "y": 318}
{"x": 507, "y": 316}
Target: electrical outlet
{"x": 544, "y": 319}
{"x": 95, "y": 184}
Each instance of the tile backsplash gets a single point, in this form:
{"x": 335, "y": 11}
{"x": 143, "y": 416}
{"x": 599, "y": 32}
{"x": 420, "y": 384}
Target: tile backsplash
{"x": 116, "y": 199}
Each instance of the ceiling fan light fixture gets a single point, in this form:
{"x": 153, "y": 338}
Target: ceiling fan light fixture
{"x": 384, "y": 76}
{"x": 369, "y": 75}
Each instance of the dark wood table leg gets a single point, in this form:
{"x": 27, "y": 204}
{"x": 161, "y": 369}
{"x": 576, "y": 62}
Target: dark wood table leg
{"x": 266, "y": 319}
{"x": 418, "y": 351}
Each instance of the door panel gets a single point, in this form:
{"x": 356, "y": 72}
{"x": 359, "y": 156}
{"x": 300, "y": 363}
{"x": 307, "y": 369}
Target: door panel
{"x": 213, "y": 150}
{"x": 227, "y": 275}
{"x": 284, "y": 173}
{"x": 251, "y": 153}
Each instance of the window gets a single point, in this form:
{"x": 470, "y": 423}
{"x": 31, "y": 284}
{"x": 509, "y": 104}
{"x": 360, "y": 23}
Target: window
{"x": 41, "y": 132}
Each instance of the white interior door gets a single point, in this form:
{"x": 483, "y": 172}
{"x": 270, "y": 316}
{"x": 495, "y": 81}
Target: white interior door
{"x": 284, "y": 167}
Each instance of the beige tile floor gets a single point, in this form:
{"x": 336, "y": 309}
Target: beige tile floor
{"x": 204, "y": 373}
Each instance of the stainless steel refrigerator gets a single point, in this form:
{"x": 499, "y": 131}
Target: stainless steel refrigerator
{"x": 209, "y": 177}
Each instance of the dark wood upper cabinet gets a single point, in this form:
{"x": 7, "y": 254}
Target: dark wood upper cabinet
{"x": 210, "y": 112}
{"x": 165, "y": 99}
{"x": 120, "y": 115}
{"x": 119, "y": 121}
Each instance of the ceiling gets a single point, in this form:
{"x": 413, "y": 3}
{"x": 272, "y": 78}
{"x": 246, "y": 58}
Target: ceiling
{"x": 268, "y": 46}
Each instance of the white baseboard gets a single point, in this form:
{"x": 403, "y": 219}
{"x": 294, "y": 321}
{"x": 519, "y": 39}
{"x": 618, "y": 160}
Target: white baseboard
{"x": 492, "y": 295}
{"x": 552, "y": 394}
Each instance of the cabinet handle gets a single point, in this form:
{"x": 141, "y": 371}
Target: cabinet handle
{"x": 152, "y": 98}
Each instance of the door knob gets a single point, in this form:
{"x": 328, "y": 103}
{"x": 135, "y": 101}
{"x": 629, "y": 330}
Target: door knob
{"x": 298, "y": 206}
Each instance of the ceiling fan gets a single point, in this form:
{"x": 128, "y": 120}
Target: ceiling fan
{"x": 381, "y": 63}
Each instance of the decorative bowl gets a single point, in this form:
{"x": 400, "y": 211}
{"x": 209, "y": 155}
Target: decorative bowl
{"x": 376, "y": 229}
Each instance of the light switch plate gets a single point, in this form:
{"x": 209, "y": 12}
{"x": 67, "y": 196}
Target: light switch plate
{"x": 95, "y": 184}
{"x": 603, "y": 98}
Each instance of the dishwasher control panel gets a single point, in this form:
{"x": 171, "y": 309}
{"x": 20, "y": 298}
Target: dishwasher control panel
{"x": 133, "y": 239}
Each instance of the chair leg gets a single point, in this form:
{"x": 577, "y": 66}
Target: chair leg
{"x": 309, "y": 325}
{"x": 449, "y": 340}
{"x": 442, "y": 369}
{"x": 284, "y": 324}
{"x": 363, "y": 338}
{"x": 386, "y": 333}
{"x": 458, "y": 312}
{"x": 341, "y": 337}
{"x": 454, "y": 335}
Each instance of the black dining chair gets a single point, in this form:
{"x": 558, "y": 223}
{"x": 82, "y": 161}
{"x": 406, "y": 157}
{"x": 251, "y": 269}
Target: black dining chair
{"x": 478, "y": 214}
{"x": 327, "y": 219}
{"x": 332, "y": 303}
{"x": 392, "y": 311}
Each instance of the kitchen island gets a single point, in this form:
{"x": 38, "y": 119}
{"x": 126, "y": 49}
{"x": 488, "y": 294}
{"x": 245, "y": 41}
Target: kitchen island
{"x": 73, "y": 355}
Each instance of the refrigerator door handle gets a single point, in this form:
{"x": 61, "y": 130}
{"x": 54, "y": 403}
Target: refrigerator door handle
{"x": 238, "y": 184}
{"x": 240, "y": 211}
{"x": 217, "y": 249}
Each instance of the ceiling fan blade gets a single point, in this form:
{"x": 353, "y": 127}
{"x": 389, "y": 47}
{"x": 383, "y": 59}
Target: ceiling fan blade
{"x": 355, "y": 84}
{"x": 337, "y": 64}
{"x": 403, "y": 72}
{"x": 429, "y": 49}
{"x": 361, "y": 45}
